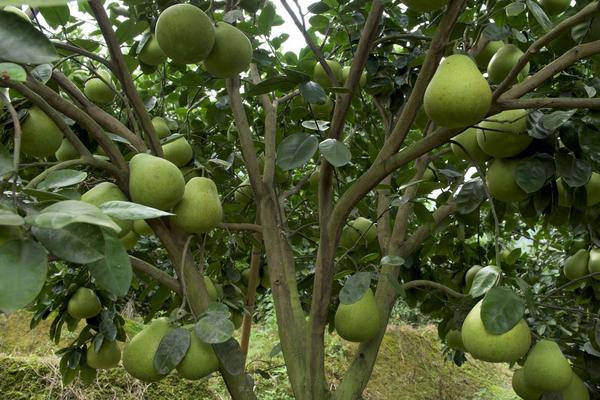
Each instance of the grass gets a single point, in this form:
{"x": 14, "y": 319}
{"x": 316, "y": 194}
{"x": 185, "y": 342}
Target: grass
{"x": 410, "y": 366}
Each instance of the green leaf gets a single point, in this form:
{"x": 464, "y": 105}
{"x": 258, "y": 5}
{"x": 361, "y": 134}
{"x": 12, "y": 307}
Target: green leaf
{"x": 295, "y": 150}
{"x": 296, "y": 76}
{"x": 318, "y": 8}
{"x": 573, "y": 171}
{"x": 9, "y": 218}
{"x": 485, "y": 279}
{"x": 266, "y": 19}
{"x": 171, "y": 350}
{"x": 355, "y": 287}
{"x": 555, "y": 120}
{"x": 394, "y": 261}
{"x": 23, "y": 268}
{"x": 335, "y": 152}
{"x": 68, "y": 212}
{"x": 62, "y": 178}
{"x": 76, "y": 243}
{"x": 56, "y": 16}
{"x": 230, "y": 356}
{"x": 42, "y": 73}
{"x": 113, "y": 273}
{"x": 313, "y": 93}
{"x": 514, "y": 9}
{"x": 501, "y": 310}
{"x": 129, "y": 29}
{"x": 589, "y": 140}
{"x": 470, "y": 196}
{"x": 532, "y": 173}
{"x": 131, "y": 211}
{"x": 214, "y": 328}
{"x": 231, "y": 16}
{"x": 279, "y": 82}
{"x": 539, "y": 15}
{"x": 14, "y": 72}
{"x": 22, "y": 43}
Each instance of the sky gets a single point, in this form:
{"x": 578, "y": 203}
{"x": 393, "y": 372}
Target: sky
{"x": 296, "y": 41}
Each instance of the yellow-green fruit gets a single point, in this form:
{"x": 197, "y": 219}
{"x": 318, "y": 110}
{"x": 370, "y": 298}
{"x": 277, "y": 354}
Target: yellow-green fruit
{"x": 576, "y": 266}
{"x": 458, "y": 95}
{"x": 454, "y": 340}
{"x": 155, "y": 182}
{"x": 546, "y": 368}
{"x": 130, "y": 240}
{"x": 231, "y": 54}
{"x": 66, "y": 151}
{"x": 99, "y": 91}
{"x": 358, "y": 229}
{"x": 358, "y": 322}
{"x": 199, "y": 361}
{"x": 185, "y": 33}
{"x": 9, "y": 233}
{"x": 179, "y": 151}
{"x": 485, "y": 55}
{"x": 103, "y": 193}
{"x": 243, "y": 194}
{"x": 108, "y": 356}
{"x": 161, "y": 127}
{"x": 576, "y": 390}
{"x": 84, "y": 304}
{"x": 594, "y": 262}
{"x": 503, "y": 62}
{"x": 17, "y": 11}
{"x": 152, "y": 54}
{"x": 322, "y": 111}
{"x": 555, "y": 7}
{"x": 501, "y": 181}
{"x": 363, "y": 78}
{"x": 138, "y": 355}
{"x": 40, "y": 137}
{"x": 470, "y": 276}
{"x": 211, "y": 289}
{"x": 142, "y": 228}
{"x": 592, "y": 189}
{"x": 504, "y": 135}
{"x": 200, "y": 210}
{"x": 424, "y": 5}
{"x": 522, "y": 389}
{"x": 468, "y": 140}
{"x": 321, "y": 77}
{"x": 484, "y": 345}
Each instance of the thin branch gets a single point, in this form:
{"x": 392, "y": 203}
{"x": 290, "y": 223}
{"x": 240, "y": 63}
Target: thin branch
{"x": 570, "y": 283}
{"x": 241, "y": 227}
{"x": 402, "y": 36}
{"x": 157, "y": 274}
{"x": 421, "y": 283}
{"x": 62, "y": 165}
{"x": 250, "y": 296}
{"x": 566, "y": 103}
{"x": 17, "y": 128}
{"x": 83, "y": 52}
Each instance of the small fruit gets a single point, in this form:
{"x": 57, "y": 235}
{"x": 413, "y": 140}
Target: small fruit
{"x": 199, "y": 361}
{"x": 504, "y": 135}
{"x": 504, "y": 61}
{"x": 358, "y": 322}
{"x": 100, "y": 91}
{"x": 231, "y": 54}
{"x": 179, "y": 151}
{"x": 243, "y": 194}
{"x": 454, "y": 340}
{"x": 152, "y": 54}
{"x": 322, "y": 111}
{"x": 485, "y": 55}
{"x": 546, "y": 368}
{"x": 501, "y": 181}
{"x": 200, "y": 210}
{"x": 108, "y": 356}
{"x": 155, "y": 182}
{"x": 522, "y": 389}
{"x": 66, "y": 151}
{"x": 594, "y": 263}
{"x": 468, "y": 140}
{"x": 161, "y": 127}
{"x": 130, "y": 240}
{"x": 103, "y": 193}
{"x": 185, "y": 33}
{"x": 555, "y": 7}
{"x": 321, "y": 77}
{"x": 363, "y": 77}
{"x": 138, "y": 355}
{"x": 84, "y": 304}
{"x": 577, "y": 390}
{"x": 576, "y": 266}
{"x": 142, "y": 228}
{"x": 40, "y": 137}
{"x": 358, "y": 232}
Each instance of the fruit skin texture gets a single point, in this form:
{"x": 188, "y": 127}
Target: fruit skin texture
{"x": 504, "y": 135}
{"x": 179, "y": 151}
{"x": 185, "y": 33}
{"x": 485, "y": 55}
{"x": 362, "y": 81}
{"x": 458, "y": 95}
{"x": 152, "y": 54}
{"x": 40, "y": 135}
{"x": 546, "y": 368}
{"x": 576, "y": 266}
{"x": 200, "y": 209}
{"x": 108, "y": 356}
{"x": 359, "y": 228}
{"x": 84, "y": 304}
{"x": 199, "y": 361}
{"x": 468, "y": 139}
{"x": 503, "y": 62}
{"x": 231, "y": 54}
{"x": 470, "y": 276}
{"x": 358, "y": 322}
{"x": 322, "y": 111}
{"x": 66, "y": 151}
{"x": 522, "y": 389}
{"x": 138, "y": 355}
{"x": 594, "y": 262}
{"x": 321, "y": 77}
{"x": 454, "y": 340}
{"x": 501, "y": 181}
{"x": 555, "y": 7}
{"x": 424, "y": 6}
{"x": 103, "y": 193}
{"x": 161, "y": 127}
{"x": 577, "y": 390}
{"x": 98, "y": 91}
{"x": 155, "y": 182}
{"x": 507, "y": 347}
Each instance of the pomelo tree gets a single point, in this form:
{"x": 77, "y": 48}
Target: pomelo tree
{"x": 176, "y": 155}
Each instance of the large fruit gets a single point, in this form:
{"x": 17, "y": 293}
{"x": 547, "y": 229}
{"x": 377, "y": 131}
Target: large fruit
{"x": 84, "y": 304}
{"x": 424, "y": 6}
{"x": 555, "y": 7}
{"x": 470, "y": 276}
{"x": 200, "y": 209}
{"x": 66, "y": 151}
{"x": 321, "y": 77}
{"x": 594, "y": 262}
{"x": 503, "y": 62}
{"x": 100, "y": 91}
{"x": 521, "y": 388}
{"x": 454, "y": 340}
{"x": 458, "y": 95}
{"x": 576, "y": 266}
{"x": 199, "y": 361}
{"x": 485, "y": 55}
{"x": 155, "y": 182}
{"x": 243, "y": 194}
{"x": 504, "y": 135}
{"x": 108, "y": 356}
{"x": 468, "y": 140}
{"x": 546, "y": 368}
{"x": 231, "y": 54}
{"x": 358, "y": 322}
{"x": 576, "y": 390}
{"x": 40, "y": 137}
{"x": 138, "y": 355}
{"x": 185, "y": 33}
{"x": 501, "y": 182}
{"x": 179, "y": 151}
{"x": 322, "y": 111}
{"x": 483, "y": 345}
{"x": 161, "y": 127}
{"x": 152, "y": 54}
{"x": 363, "y": 77}
{"x": 103, "y": 193}
{"x": 358, "y": 232}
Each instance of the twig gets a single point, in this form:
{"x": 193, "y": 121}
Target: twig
{"x": 17, "y": 128}
{"x": 157, "y": 274}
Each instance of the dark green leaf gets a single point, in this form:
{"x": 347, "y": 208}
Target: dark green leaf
{"x": 76, "y": 243}
{"x": 532, "y": 173}
{"x": 280, "y": 82}
{"x": 355, "y": 287}
{"x": 214, "y": 328}
{"x": 295, "y": 150}
{"x": 470, "y": 196}
{"x": 555, "y": 120}
{"x": 501, "y": 310}
{"x": 56, "y": 16}
{"x": 171, "y": 350}
{"x": 129, "y": 29}
{"x": 573, "y": 171}
{"x": 22, "y": 43}
{"x": 230, "y": 356}
{"x": 112, "y": 273}
{"x": 335, "y": 152}
{"x": 313, "y": 93}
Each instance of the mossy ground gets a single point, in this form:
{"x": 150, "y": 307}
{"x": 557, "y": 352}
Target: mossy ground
{"x": 410, "y": 366}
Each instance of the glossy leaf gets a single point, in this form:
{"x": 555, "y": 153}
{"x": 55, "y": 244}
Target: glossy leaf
{"x": 355, "y": 287}
{"x": 76, "y": 243}
{"x": 68, "y": 212}
{"x": 131, "y": 211}
{"x": 295, "y": 150}
{"x": 214, "y": 328}
{"x": 485, "y": 279}
{"x": 335, "y": 152}
{"x": 23, "y": 44}
{"x": 501, "y": 310}
{"x": 112, "y": 273}
{"x": 171, "y": 350}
